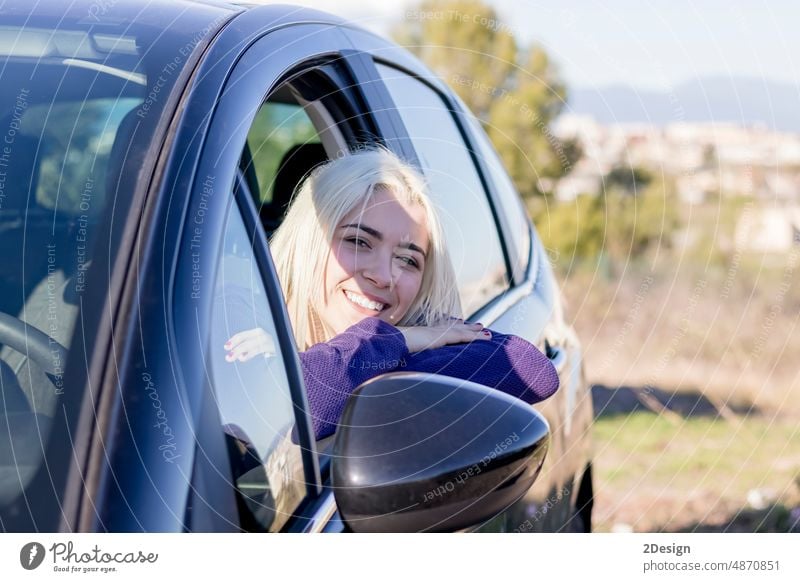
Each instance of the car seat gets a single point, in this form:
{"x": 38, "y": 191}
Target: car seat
{"x": 295, "y": 165}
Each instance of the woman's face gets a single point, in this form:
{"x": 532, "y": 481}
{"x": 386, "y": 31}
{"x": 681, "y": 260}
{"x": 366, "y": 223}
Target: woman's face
{"x": 375, "y": 264}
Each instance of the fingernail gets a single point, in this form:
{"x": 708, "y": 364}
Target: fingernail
{"x": 227, "y": 345}
{"x": 487, "y": 333}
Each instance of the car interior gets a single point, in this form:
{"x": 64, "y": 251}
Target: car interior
{"x": 304, "y": 122}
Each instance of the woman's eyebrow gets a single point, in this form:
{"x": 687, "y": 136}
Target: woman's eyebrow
{"x": 367, "y": 229}
{"x": 411, "y": 246}
{"x": 377, "y": 234}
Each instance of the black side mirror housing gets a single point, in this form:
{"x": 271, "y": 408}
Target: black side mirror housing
{"x": 423, "y": 452}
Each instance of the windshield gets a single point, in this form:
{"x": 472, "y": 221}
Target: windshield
{"x": 83, "y": 98}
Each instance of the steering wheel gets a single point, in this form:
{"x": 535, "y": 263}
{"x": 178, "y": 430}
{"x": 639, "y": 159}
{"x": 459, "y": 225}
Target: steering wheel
{"x": 33, "y": 343}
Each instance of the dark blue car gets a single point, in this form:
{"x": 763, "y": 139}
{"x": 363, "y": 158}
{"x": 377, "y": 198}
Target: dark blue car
{"x": 147, "y": 152}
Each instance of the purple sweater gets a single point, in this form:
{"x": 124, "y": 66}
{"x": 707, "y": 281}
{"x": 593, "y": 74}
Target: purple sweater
{"x": 333, "y": 369}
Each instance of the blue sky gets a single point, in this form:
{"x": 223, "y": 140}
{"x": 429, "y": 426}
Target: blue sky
{"x": 643, "y": 43}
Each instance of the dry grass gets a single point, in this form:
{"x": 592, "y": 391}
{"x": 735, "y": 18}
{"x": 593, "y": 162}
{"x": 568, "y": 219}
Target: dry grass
{"x": 716, "y": 351}
{"x": 703, "y": 474}
{"x": 734, "y": 338}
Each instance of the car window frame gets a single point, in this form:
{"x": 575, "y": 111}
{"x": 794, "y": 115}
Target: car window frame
{"x": 526, "y": 277}
{"x": 243, "y": 204}
{"x": 519, "y": 257}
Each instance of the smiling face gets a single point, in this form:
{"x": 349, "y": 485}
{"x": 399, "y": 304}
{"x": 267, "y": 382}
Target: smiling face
{"x": 376, "y": 261}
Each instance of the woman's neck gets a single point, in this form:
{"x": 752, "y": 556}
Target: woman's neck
{"x": 317, "y": 331}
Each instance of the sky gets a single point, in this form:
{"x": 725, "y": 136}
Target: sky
{"x": 642, "y": 43}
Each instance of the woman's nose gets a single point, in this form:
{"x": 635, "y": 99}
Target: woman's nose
{"x": 379, "y": 272}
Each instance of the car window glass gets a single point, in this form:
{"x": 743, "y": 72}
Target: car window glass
{"x": 81, "y": 101}
{"x": 253, "y": 396}
{"x": 510, "y": 202}
{"x": 456, "y": 188}
{"x": 52, "y": 195}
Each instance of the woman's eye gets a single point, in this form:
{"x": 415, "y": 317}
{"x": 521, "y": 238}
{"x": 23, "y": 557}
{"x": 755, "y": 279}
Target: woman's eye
{"x": 359, "y": 242}
{"x": 409, "y": 261}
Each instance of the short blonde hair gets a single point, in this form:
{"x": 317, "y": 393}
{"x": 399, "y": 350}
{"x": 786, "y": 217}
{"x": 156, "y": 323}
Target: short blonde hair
{"x": 301, "y": 245}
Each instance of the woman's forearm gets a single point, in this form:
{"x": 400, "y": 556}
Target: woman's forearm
{"x": 505, "y": 362}
{"x": 333, "y": 369}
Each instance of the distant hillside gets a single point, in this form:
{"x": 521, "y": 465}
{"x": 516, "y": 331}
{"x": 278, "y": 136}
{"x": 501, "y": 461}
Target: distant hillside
{"x": 742, "y": 100}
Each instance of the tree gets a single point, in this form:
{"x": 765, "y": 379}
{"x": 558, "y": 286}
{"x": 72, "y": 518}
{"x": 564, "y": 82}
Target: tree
{"x": 617, "y": 223}
{"x": 515, "y": 94}
{"x": 574, "y": 232}
{"x": 465, "y": 44}
{"x": 642, "y": 220}
{"x": 519, "y": 125}
{"x": 627, "y": 179}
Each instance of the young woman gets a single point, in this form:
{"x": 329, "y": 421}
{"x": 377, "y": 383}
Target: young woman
{"x": 370, "y": 289}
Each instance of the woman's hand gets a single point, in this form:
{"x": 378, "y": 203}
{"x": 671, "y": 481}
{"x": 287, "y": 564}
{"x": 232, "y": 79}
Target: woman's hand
{"x": 245, "y": 345}
{"x": 420, "y": 338}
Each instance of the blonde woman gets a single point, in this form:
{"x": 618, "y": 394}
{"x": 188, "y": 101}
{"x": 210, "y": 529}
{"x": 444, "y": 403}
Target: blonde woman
{"x": 370, "y": 289}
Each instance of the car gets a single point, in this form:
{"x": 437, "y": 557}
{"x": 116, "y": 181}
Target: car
{"x": 149, "y": 149}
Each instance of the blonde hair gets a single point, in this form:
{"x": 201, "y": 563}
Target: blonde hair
{"x": 301, "y": 245}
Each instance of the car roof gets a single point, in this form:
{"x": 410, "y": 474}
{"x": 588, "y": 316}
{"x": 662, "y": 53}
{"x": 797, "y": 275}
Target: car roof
{"x": 111, "y": 11}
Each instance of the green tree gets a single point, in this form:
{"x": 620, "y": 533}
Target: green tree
{"x": 615, "y": 225}
{"x": 464, "y": 43}
{"x": 641, "y": 221}
{"x": 515, "y": 93}
{"x": 627, "y": 179}
{"x": 519, "y": 125}
{"x": 573, "y": 231}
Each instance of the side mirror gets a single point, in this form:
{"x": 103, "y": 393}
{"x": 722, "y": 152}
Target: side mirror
{"x": 423, "y": 452}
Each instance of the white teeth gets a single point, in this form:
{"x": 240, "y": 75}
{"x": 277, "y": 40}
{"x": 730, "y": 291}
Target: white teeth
{"x": 364, "y": 302}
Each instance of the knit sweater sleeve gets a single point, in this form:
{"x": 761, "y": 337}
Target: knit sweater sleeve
{"x": 505, "y": 362}
{"x": 333, "y": 369}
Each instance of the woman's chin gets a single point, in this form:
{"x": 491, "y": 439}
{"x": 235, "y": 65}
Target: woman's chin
{"x": 359, "y": 316}
{"x": 354, "y": 314}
